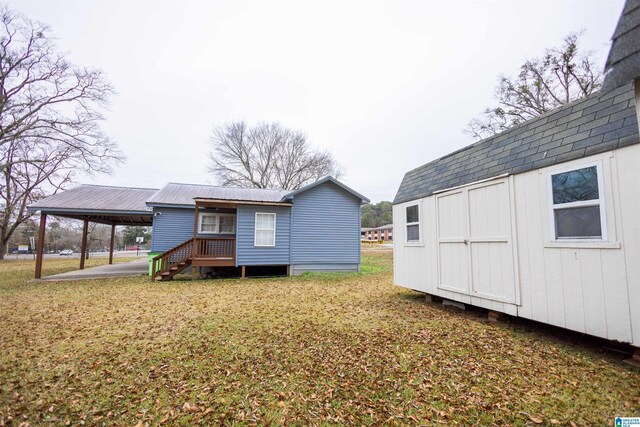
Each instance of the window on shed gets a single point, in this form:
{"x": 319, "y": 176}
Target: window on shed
{"x": 265, "y": 229}
{"x": 413, "y": 223}
{"x": 578, "y": 204}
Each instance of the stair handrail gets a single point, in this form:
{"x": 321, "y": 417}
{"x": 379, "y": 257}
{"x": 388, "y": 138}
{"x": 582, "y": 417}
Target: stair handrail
{"x": 185, "y": 248}
{"x": 183, "y": 252}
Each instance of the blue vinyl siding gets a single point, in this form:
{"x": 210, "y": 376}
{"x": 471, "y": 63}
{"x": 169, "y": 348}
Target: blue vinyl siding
{"x": 172, "y": 226}
{"x": 247, "y": 253}
{"x": 325, "y": 230}
{"x": 324, "y": 268}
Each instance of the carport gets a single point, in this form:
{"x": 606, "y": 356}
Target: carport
{"x": 94, "y": 203}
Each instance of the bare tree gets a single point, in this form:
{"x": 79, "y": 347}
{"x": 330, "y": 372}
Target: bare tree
{"x": 49, "y": 116}
{"x": 562, "y": 75}
{"x": 266, "y": 156}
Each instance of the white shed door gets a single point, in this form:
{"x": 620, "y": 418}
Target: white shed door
{"x": 453, "y": 253}
{"x": 474, "y": 239}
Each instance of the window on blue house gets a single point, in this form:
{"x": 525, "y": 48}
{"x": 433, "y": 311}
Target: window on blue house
{"x": 227, "y": 224}
{"x": 214, "y": 223}
{"x": 265, "y": 229}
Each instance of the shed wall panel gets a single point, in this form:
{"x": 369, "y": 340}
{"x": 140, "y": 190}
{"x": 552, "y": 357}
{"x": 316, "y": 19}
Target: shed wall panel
{"x": 628, "y": 175}
{"x": 583, "y": 286}
{"x": 593, "y": 293}
{"x": 415, "y": 266}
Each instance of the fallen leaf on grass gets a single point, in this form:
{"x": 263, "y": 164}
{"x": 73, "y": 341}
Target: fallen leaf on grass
{"x": 190, "y": 407}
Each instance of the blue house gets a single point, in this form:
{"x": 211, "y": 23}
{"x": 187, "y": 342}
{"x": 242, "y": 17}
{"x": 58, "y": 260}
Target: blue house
{"x": 313, "y": 229}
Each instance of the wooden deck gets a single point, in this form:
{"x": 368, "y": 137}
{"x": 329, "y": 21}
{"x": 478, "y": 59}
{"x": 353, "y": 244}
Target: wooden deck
{"x": 197, "y": 252}
{"x": 213, "y": 262}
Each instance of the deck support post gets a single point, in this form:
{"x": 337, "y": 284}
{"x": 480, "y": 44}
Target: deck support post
{"x": 40, "y": 248}
{"x": 113, "y": 239}
{"x": 83, "y": 248}
{"x": 243, "y": 275}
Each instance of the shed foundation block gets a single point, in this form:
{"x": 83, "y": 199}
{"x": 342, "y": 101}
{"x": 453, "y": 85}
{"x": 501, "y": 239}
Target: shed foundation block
{"x": 495, "y": 316}
{"x": 432, "y": 298}
{"x": 635, "y": 359}
{"x": 458, "y": 305}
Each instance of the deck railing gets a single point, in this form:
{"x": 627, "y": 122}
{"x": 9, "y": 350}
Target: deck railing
{"x": 177, "y": 257}
{"x": 215, "y": 247}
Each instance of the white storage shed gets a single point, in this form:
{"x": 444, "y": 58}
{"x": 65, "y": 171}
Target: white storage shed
{"x": 543, "y": 220}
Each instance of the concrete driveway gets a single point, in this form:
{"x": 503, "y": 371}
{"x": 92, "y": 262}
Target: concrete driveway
{"x": 138, "y": 267}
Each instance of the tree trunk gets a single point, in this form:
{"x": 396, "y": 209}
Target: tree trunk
{"x": 3, "y": 249}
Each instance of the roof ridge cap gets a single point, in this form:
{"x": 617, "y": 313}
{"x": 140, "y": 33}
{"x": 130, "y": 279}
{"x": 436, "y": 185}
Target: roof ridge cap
{"x": 222, "y": 186}
{"x": 114, "y": 186}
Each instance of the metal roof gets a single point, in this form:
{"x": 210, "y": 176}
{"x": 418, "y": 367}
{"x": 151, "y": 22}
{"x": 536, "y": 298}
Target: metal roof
{"x": 594, "y": 124}
{"x": 184, "y": 194}
{"x": 99, "y": 198}
{"x": 623, "y": 62}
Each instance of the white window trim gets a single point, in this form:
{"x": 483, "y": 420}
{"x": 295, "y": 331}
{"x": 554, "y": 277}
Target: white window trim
{"x": 600, "y": 202}
{"x": 407, "y": 224}
{"x": 255, "y": 232}
{"x": 218, "y": 216}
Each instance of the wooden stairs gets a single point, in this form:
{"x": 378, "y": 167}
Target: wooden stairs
{"x": 199, "y": 252}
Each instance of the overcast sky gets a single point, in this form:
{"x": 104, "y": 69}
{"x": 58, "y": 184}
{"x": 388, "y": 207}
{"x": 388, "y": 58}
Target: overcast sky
{"x": 386, "y": 86}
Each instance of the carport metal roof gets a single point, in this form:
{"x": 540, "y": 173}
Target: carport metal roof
{"x": 101, "y": 204}
{"x": 94, "y": 203}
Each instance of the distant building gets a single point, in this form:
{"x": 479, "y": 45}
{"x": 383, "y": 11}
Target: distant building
{"x": 384, "y": 233}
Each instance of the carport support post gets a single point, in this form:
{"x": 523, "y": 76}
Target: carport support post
{"x": 40, "y": 248}
{"x": 195, "y": 222}
{"x": 83, "y": 248}
{"x": 113, "y": 239}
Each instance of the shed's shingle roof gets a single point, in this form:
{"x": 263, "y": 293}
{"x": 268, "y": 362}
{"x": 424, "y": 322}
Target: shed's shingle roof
{"x": 98, "y": 198}
{"x": 597, "y": 123}
{"x": 183, "y": 194}
{"x": 623, "y": 63}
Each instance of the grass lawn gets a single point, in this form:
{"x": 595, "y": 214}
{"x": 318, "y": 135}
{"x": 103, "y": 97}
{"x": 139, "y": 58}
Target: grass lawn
{"x": 314, "y": 349}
